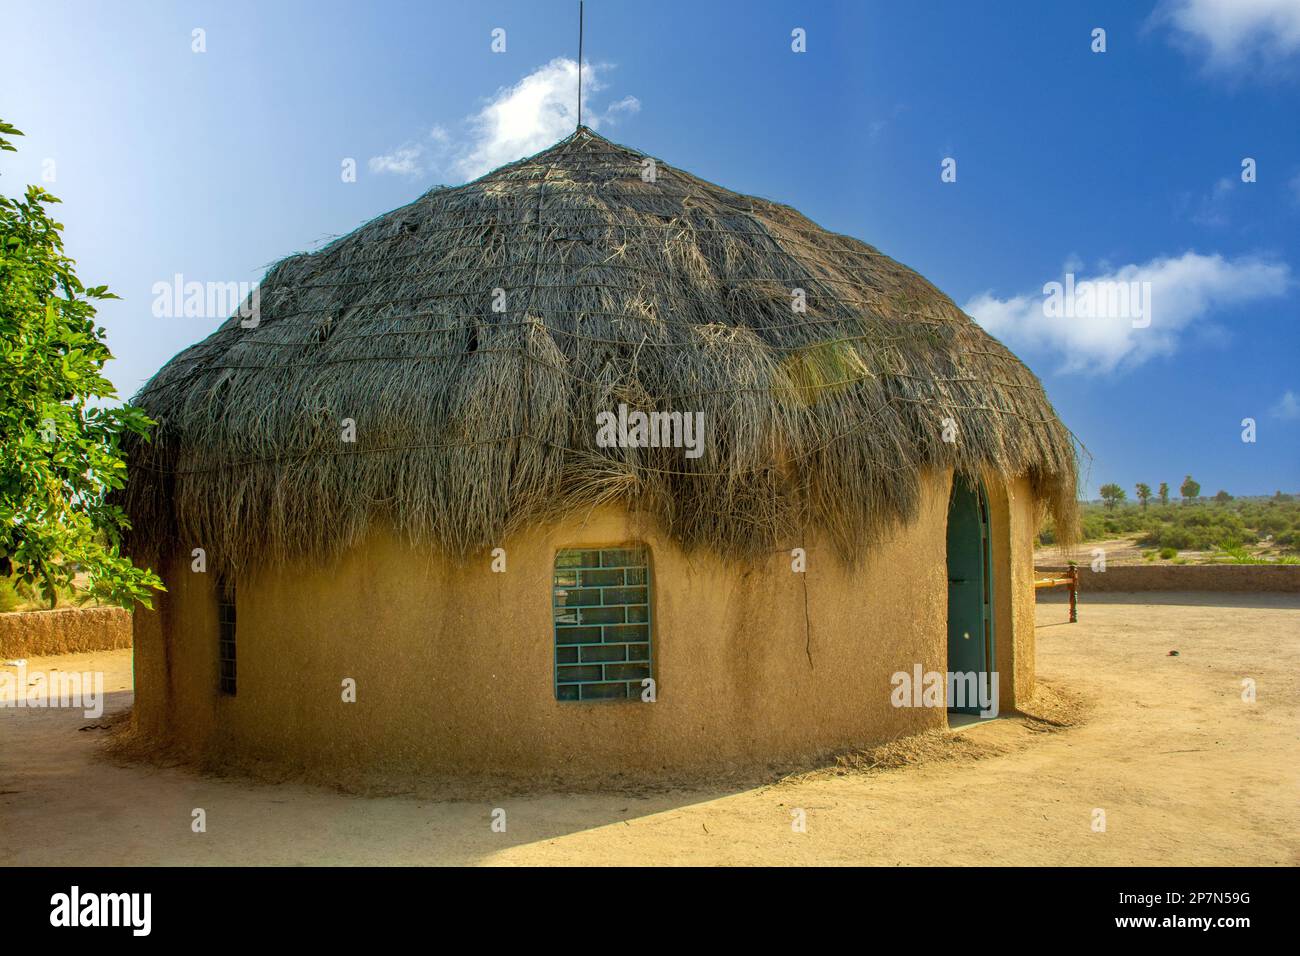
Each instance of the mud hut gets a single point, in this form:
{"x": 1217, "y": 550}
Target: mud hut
{"x": 411, "y": 511}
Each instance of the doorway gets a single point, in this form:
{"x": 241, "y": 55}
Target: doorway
{"x": 971, "y": 648}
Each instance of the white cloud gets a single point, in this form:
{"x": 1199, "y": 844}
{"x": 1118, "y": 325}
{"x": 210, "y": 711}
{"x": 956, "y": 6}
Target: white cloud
{"x": 413, "y": 159}
{"x": 1287, "y": 407}
{"x": 876, "y": 128}
{"x": 1213, "y": 209}
{"x": 403, "y": 161}
{"x": 529, "y": 116}
{"x": 628, "y": 104}
{"x": 1236, "y": 33}
{"x": 1183, "y": 291}
{"x": 516, "y": 121}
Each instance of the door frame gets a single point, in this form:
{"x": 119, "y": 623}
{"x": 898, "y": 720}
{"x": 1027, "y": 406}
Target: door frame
{"x": 988, "y": 587}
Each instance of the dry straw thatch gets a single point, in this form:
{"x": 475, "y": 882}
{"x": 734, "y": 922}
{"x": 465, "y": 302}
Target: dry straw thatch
{"x": 670, "y": 295}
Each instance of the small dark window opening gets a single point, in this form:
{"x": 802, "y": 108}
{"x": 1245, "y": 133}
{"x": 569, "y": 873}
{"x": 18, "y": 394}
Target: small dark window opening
{"x": 226, "y": 634}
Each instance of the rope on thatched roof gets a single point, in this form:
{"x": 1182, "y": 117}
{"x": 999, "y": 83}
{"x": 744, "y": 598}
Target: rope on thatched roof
{"x": 671, "y": 295}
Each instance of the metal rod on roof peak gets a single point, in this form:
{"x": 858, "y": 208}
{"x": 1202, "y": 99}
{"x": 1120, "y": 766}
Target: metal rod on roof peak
{"x": 580, "y": 4}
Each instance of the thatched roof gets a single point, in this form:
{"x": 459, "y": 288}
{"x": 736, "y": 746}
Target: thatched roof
{"x": 470, "y": 423}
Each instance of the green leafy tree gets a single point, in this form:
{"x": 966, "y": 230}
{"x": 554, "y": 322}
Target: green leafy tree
{"x": 1112, "y": 494}
{"x": 1222, "y": 497}
{"x": 1164, "y": 493}
{"x": 1143, "y": 493}
{"x": 60, "y": 439}
{"x": 1190, "y": 489}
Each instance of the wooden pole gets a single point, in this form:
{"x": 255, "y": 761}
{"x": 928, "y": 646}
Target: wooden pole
{"x": 580, "y": 18}
{"x": 1074, "y": 593}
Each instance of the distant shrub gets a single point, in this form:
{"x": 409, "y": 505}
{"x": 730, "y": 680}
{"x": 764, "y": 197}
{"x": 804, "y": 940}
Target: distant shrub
{"x": 17, "y": 596}
{"x": 1194, "y": 526}
{"x": 1235, "y": 555}
{"x": 1167, "y": 553}
{"x": 9, "y": 597}
{"x": 1271, "y": 523}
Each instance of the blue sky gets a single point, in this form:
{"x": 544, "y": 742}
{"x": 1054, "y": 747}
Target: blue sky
{"x": 1125, "y": 164}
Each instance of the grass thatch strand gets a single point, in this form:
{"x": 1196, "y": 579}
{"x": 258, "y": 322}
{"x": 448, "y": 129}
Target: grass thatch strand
{"x": 672, "y": 295}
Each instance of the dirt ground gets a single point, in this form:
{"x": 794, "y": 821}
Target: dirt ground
{"x": 1125, "y": 552}
{"x": 1118, "y": 551}
{"x": 1186, "y": 772}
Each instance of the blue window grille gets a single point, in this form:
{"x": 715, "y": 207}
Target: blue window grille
{"x": 601, "y": 606}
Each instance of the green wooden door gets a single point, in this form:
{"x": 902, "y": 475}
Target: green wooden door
{"x": 970, "y": 623}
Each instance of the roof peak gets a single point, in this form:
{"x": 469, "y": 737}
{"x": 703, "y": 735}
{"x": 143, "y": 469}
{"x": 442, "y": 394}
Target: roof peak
{"x": 582, "y": 138}
{"x": 585, "y": 134}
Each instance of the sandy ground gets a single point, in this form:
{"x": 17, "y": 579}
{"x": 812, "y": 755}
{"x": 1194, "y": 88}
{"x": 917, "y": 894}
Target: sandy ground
{"x": 1118, "y": 551}
{"x": 1186, "y": 772}
{"x": 1124, "y": 552}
